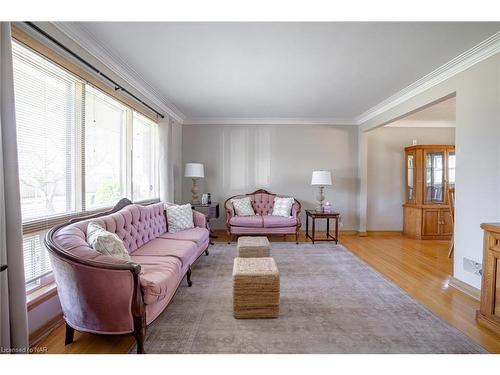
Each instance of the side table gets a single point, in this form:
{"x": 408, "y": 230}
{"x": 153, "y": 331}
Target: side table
{"x": 313, "y": 214}
{"x": 211, "y": 211}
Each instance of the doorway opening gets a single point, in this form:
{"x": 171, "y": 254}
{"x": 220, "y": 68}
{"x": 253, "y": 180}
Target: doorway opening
{"x": 411, "y": 176}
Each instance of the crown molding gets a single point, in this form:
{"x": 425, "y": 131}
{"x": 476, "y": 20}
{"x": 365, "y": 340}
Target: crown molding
{"x": 267, "y": 121}
{"x": 118, "y": 66}
{"x": 476, "y": 54}
{"x": 86, "y": 40}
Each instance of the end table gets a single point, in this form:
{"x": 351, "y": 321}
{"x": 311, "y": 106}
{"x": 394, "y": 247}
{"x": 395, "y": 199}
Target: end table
{"x": 313, "y": 214}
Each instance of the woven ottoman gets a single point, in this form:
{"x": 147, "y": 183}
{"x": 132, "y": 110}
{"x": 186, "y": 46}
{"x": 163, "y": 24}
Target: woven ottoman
{"x": 256, "y": 288}
{"x": 253, "y": 247}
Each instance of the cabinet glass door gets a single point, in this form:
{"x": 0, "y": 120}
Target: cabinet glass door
{"x": 410, "y": 177}
{"x": 451, "y": 169}
{"x": 434, "y": 177}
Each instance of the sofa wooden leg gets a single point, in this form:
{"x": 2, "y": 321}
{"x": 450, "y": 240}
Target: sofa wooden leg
{"x": 70, "y": 334}
{"x": 297, "y": 238}
{"x": 206, "y": 252}
{"x": 188, "y": 274}
{"x": 139, "y": 336}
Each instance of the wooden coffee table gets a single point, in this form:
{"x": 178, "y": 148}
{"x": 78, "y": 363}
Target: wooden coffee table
{"x": 313, "y": 214}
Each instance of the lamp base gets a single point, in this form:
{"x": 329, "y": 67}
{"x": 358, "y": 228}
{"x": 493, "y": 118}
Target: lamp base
{"x": 321, "y": 199}
{"x": 195, "y": 199}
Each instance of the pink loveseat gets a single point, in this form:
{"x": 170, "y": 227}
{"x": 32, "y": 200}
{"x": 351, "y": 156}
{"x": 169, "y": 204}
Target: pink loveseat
{"x": 263, "y": 222}
{"x": 106, "y": 295}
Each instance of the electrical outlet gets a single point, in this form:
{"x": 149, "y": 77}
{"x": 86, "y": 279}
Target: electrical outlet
{"x": 473, "y": 267}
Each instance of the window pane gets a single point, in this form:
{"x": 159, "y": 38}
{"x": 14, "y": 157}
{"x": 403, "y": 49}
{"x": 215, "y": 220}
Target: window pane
{"x": 105, "y": 174}
{"x": 46, "y": 125}
{"x": 144, "y": 159}
{"x": 36, "y": 258}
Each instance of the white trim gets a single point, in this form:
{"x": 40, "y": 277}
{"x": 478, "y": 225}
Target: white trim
{"x": 118, "y": 66}
{"x": 465, "y": 288}
{"x": 267, "y": 121}
{"x": 476, "y": 54}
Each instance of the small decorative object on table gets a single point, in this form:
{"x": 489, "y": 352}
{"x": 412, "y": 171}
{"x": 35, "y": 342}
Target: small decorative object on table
{"x": 327, "y": 208}
{"x": 313, "y": 214}
{"x": 321, "y": 179}
{"x": 204, "y": 199}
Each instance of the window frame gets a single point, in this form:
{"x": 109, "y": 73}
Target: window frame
{"x": 30, "y": 227}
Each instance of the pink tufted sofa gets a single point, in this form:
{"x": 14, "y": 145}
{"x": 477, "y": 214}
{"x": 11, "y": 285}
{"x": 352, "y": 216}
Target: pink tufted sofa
{"x": 263, "y": 222}
{"x": 106, "y": 295}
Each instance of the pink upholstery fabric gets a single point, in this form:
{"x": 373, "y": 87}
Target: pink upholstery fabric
{"x": 263, "y": 204}
{"x": 134, "y": 224}
{"x": 247, "y": 221}
{"x": 250, "y": 230}
{"x": 199, "y": 219}
{"x": 278, "y": 221}
{"x": 161, "y": 247}
{"x": 159, "y": 274}
{"x": 87, "y": 293}
{"x": 196, "y": 235}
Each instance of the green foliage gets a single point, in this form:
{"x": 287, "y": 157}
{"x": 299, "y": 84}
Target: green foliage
{"x": 106, "y": 192}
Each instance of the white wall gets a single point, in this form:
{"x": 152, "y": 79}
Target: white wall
{"x": 478, "y": 154}
{"x": 177, "y": 166}
{"x": 386, "y": 171}
{"x": 279, "y": 158}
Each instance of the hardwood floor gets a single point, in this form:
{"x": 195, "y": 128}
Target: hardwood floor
{"x": 421, "y": 268}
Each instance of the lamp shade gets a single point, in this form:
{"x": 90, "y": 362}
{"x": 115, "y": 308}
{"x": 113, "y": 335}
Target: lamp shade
{"x": 194, "y": 170}
{"x": 321, "y": 178}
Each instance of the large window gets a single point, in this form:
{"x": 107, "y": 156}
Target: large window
{"x": 46, "y": 130}
{"x": 105, "y": 129}
{"x": 79, "y": 150}
{"x": 144, "y": 161}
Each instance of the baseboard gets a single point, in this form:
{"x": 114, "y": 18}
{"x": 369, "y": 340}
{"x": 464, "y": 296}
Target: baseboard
{"x": 465, "y": 288}
{"x": 385, "y": 232}
{"x": 42, "y": 332}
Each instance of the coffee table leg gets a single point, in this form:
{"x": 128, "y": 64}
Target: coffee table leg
{"x": 327, "y": 227}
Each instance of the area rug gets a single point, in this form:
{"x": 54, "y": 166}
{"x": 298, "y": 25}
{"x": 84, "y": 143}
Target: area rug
{"x": 331, "y": 302}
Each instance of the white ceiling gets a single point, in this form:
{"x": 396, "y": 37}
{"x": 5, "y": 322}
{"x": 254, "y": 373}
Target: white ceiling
{"x": 311, "y": 71}
{"x": 440, "y": 115}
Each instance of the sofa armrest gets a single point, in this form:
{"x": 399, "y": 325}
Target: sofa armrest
{"x": 199, "y": 219}
{"x": 296, "y": 213}
{"x": 228, "y": 207}
{"x": 99, "y": 299}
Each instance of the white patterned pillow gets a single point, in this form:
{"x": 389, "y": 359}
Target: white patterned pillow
{"x": 283, "y": 206}
{"x": 179, "y": 217}
{"x": 243, "y": 206}
{"x": 105, "y": 242}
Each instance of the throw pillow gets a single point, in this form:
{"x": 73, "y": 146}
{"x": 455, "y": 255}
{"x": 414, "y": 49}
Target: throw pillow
{"x": 105, "y": 242}
{"x": 283, "y": 206}
{"x": 179, "y": 217}
{"x": 243, "y": 206}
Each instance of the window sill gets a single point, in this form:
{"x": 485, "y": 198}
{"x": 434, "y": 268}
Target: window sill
{"x": 40, "y": 295}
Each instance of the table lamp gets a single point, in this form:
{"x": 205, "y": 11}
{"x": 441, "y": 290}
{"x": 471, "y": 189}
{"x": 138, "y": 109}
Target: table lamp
{"x": 194, "y": 171}
{"x": 321, "y": 179}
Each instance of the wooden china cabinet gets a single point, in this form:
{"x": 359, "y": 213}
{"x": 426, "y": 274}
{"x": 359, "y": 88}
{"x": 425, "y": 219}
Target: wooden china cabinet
{"x": 430, "y": 172}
